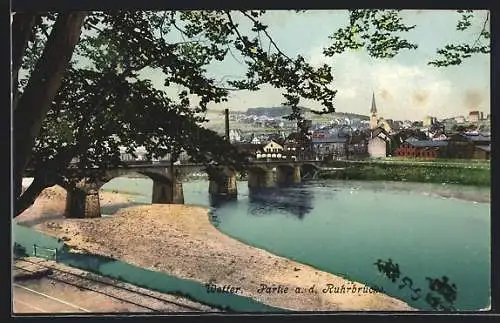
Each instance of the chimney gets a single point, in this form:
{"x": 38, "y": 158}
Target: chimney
{"x": 226, "y": 113}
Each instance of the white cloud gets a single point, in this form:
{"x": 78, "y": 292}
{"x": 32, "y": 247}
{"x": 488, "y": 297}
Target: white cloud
{"x": 401, "y": 91}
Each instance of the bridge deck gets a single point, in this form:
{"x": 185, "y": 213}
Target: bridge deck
{"x": 166, "y": 164}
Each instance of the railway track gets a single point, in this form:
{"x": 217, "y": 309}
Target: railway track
{"x": 133, "y": 298}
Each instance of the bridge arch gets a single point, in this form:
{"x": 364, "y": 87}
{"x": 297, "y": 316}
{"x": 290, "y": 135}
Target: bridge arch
{"x": 154, "y": 175}
{"x": 166, "y": 189}
{"x": 309, "y": 169}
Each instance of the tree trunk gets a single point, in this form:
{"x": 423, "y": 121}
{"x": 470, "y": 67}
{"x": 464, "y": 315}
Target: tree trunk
{"x": 22, "y": 29}
{"x": 29, "y": 196}
{"x": 41, "y": 89}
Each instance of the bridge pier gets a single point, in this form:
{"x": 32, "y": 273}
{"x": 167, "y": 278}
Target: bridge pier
{"x": 167, "y": 193}
{"x": 261, "y": 178}
{"x": 222, "y": 186}
{"x": 82, "y": 201}
{"x": 288, "y": 175}
{"x": 297, "y": 176}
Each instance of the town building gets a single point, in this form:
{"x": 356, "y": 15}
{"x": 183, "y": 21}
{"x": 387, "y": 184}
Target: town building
{"x": 329, "y": 148}
{"x": 385, "y": 125}
{"x": 379, "y": 143}
{"x": 469, "y": 146}
{"x": 406, "y": 124}
{"x": 428, "y": 149}
{"x": 328, "y": 145}
{"x": 439, "y": 136}
{"x": 271, "y": 150}
{"x": 474, "y": 116}
{"x": 377, "y": 148}
{"x": 358, "y": 144}
{"x": 428, "y": 121}
{"x": 256, "y": 140}
{"x": 235, "y": 135}
{"x": 482, "y": 152}
{"x": 397, "y": 125}
{"x": 298, "y": 146}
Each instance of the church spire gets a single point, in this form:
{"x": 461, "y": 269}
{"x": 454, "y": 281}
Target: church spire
{"x": 373, "y": 109}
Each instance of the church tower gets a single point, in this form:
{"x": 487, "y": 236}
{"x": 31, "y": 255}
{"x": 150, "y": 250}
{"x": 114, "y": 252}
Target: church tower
{"x": 373, "y": 111}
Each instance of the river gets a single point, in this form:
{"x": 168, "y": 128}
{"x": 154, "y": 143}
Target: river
{"x": 344, "y": 227}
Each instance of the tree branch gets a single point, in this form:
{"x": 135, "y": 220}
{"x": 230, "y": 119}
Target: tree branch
{"x": 172, "y": 21}
{"x": 271, "y": 40}
{"x": 95, "y": 27}
{"x": 232, "y": 54}
{"x": 233, "y": 26}
{"x": 482, "y": 30}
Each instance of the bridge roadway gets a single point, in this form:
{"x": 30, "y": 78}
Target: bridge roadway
{"x": 140, "y": 165}
{"x": 166, "y": 164}
{"x": 163, "y": 164}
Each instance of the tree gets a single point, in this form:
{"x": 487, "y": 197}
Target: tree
{"x": 31, "y": 107}
{"x": 379, "y": 32}
{"x": 85, "y": 96}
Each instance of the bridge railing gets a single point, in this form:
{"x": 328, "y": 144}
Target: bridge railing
{"x": 166, "y": 163}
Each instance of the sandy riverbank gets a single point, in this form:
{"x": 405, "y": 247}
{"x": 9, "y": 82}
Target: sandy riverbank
{"x": 188, "y": 246}
{"x": 51, "y": 202}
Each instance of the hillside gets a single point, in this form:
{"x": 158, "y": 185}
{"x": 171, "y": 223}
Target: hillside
{"x": 283, "y": 111}
{"x": 272, "y": 111}
{"x": 350, "y": 115}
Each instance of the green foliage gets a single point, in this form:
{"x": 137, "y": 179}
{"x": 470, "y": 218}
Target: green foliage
{"x": 376, "y": 30}
{"x": 105, "y": 100}
{"x": 441, "y": 295}
{"x": 380, "y": 33}
{"x": 423, "y": 172}
{"x": 455, "y": 54}
{"x": 477, "y": 173}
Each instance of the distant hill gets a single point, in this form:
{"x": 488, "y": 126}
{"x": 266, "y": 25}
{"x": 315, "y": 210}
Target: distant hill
{"x": 276, "y": 112}
{"x": 350, "y": 115}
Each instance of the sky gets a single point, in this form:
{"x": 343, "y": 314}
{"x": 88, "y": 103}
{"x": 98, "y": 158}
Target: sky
{"x": 405, "y": 86}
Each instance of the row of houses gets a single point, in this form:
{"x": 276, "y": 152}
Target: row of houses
{"x": 455, "y": 146}
{"x": 374, "y": 143}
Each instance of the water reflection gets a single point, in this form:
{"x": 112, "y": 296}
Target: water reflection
{"x": 217, "y": 202}
{"x": 297, "y": 201}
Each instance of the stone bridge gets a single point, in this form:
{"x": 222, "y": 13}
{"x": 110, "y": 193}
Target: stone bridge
{"x": 82, "y": 199}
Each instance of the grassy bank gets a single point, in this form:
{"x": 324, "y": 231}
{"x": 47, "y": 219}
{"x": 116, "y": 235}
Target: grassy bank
{"x": 440, "y": 161}
{"x": 450, "y": 171}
